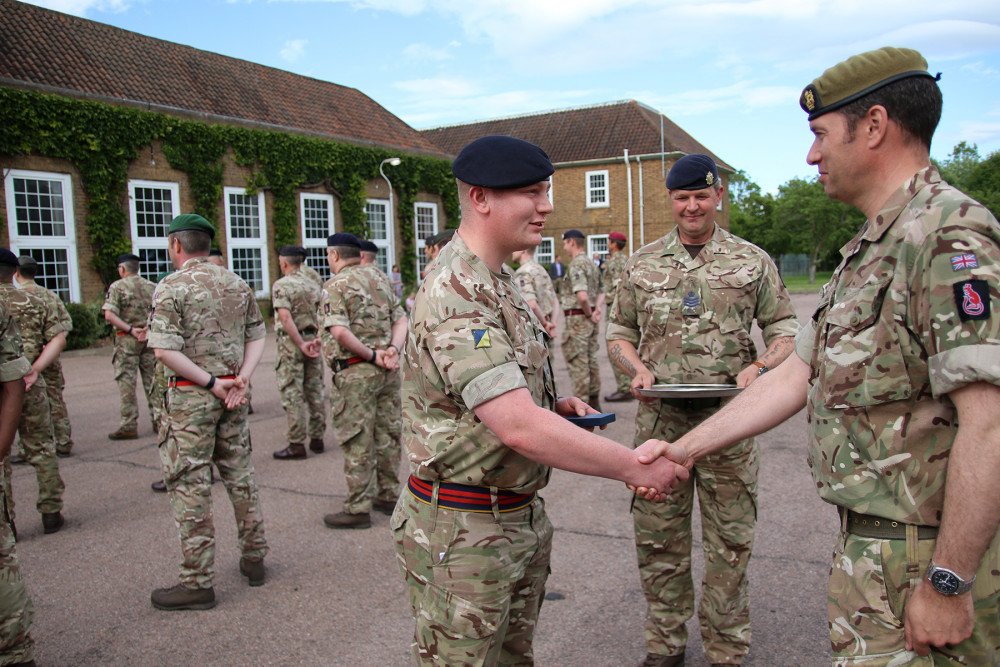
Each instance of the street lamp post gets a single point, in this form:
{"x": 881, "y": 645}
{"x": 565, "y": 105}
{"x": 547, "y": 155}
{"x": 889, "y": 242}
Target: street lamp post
{"x": 389, "y": 220}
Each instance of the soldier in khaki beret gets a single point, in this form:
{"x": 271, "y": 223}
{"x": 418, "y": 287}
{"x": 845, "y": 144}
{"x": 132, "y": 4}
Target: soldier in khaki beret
{"x": 898, "y": 369}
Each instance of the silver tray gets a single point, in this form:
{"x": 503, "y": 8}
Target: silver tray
{"x": 691, "y": 390}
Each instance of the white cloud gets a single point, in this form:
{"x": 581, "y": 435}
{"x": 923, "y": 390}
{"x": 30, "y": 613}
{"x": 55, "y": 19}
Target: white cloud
{"x": 293, "y": 50}
{"x": 425, "y": 52}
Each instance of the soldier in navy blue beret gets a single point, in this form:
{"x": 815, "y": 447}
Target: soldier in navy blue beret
{"x": 573, "y": 234}
{"x": 291, "y": 251}
{"x": 693, "y": 172}
{"x": 127, "y": 257}
{"x": 8, "y": 258}
{"x": 502, "y": 163}
{"x": 343, "y": 240}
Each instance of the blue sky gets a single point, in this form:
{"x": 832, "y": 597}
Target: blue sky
{"x": 728, "y": 72}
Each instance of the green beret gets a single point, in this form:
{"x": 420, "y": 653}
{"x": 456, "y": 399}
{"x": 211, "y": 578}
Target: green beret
{"x": 191, "y": 221}
{"x": 859, "y": 75}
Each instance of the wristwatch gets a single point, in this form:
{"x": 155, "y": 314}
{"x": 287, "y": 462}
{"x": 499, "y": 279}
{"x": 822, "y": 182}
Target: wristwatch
{"x": 762, "y": 367}
{"x": 947, "y": 582}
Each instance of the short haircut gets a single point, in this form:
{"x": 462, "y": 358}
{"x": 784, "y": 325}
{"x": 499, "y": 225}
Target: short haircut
{"x": 28, "y": 271}
{"x": 578, "y": 242}
{"x": 131, "y": 266}
{"x": 347, "y": 251}
{"x": 293, "y": 260}
{"x": 913, "y": 103}
{"x": 193, "y": 242}
{"x": 618, "y": 243}
{"x": 7, "y": 272}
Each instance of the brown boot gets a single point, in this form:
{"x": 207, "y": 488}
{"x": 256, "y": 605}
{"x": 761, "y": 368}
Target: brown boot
{"x": 316, "y": 445}
{"x": 253, "y": 570}
{"x": 619, "y": 396}
{"x": 386, "y": 507}
{"x": 595, "y": 402}
{"x": 295, "y": 450}
{"x": 345, "y": 520}
{"x": 657, "y": 660}
{"x": 52, "y": 522}
{"x": 159, "y": 486}
{"x": 123, "y": 434}
{"x": 181, "y": 597}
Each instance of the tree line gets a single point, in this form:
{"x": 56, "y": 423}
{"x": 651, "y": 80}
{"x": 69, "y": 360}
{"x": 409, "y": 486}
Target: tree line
{"x": 801, "y": 219}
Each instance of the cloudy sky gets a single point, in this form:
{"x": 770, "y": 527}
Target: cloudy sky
{"x": 728, "y": 72}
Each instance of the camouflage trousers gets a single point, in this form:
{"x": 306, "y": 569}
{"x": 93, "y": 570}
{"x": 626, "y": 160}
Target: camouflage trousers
{"x": 37, "y": 445}
{"x": 366, "y": 413}
{"x": 726, "y": 484}
{"x": 476, "y": 581}
{"x": 866, "y": 605}
{"x": 158, "y": 396}
{"x": 300, "y": 383}
{"x": 55, "y": 383}
{"x": 580, "y": 346}
{"x": 130, "y": 357}
{"x": 16, "y": 610}
{"x": 196, "y": 432}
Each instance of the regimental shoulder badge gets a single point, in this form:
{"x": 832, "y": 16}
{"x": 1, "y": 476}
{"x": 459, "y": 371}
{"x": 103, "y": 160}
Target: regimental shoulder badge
{"x": 959, "y": 262}
{"x": 481, "y": 337}
{"x": 326, "y": 308}
{"x": 709, "y": 178}
{"x": 972, "y": 299}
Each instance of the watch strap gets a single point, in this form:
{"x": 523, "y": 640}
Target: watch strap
{"x": 934, "y": 572}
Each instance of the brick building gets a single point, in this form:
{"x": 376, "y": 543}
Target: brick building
{"x": 611, "y": 163}
{"x": 61, "y": 67}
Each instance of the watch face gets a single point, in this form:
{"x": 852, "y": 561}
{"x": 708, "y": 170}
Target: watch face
{"x": 944, "y": 582}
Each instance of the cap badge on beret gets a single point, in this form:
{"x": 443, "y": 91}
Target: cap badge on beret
{"x": 809, "y": 99}
{"x": 709, "y": 179}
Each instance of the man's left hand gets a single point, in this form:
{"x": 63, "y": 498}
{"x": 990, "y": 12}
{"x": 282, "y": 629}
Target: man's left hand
{"x": 936, "y": 620}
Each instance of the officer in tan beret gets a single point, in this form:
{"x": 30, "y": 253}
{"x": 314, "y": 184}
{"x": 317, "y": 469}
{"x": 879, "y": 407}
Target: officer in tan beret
{"x": 898, "y": 370}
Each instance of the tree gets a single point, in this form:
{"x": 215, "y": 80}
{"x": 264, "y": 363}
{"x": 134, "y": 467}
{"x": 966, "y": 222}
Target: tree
{"x": 751, "y": 214}
{"x": 984, "y": 183}
{"x": 958, "y": 167}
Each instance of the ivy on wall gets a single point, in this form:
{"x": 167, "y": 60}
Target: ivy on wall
{"x": 101, "y": 140}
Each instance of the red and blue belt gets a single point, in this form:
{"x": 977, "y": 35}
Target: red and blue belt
{"x": 342, "y": 364}
{"x": 178, "y": 381}
{"x": 467, "y": 498}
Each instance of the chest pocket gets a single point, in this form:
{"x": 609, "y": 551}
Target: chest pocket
{"x": 733, "y": 298}
{"x": 656, "y": 295}
{"x": 862, "y": 363}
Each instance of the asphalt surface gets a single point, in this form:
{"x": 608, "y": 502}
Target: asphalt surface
{"x": 337, "y": 597}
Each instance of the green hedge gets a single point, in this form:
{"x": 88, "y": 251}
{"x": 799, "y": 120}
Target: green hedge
{"x": 88, "y": 325}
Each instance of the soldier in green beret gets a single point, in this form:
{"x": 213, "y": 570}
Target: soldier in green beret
{"x": 899, "y": 370}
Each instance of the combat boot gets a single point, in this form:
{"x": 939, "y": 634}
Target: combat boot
{"x": 123, "y": 434}
{"x": 52, "y": 522}
{"x": 386, "y": 507}
{"x": 346, "y": 520}
{"x": 253, "y": 570}
{"x": 295, "y": 450}
{"x": 657, "y": 660}
{"x": 316, "y": 445}
{"x": 595, "y": 402}
{"x": 181, "y": 597}
{"x": 159, "y": 486}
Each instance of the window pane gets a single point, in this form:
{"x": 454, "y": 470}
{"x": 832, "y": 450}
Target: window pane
{"x": 316, "y": 259}
{"x": 153, "y": 262}
{"x": 316, "y": 219}
{"x": 53, "y": 269}
{"x": 154, "y": 210}
{"x": 38, "y": 207}
{"x": 377, "y": 227}
{"x": 247, "y": 264}
{"x": 544, "y": 254}
{"x": 244, "y": 217}
{"x": 425, "y": 220}
{"x": 383, "y": 260}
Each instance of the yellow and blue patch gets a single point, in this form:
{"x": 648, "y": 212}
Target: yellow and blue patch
{"x": 482, "y": 338}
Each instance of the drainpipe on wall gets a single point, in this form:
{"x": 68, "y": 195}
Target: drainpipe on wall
{"x": 628, "y": 180}
{"x": 642, "y": 210}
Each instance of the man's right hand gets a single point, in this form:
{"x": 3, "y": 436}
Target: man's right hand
{"x": 30, "y": 379}
{"x": 659, "y": 477}
{"x": 643, "y": 380}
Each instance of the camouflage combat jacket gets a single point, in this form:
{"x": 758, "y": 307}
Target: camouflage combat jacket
{"x": 472, "y": 338}
{"x": 356, "y": 299}
{"x": 310, "y": 273}
{"x": 53, "y": 301}
{"x": 299, "y": 295}
{"x": 13, "y": 364}
{"x": 909, "y": 315}
{"x": 582, "y": 275}
{"x": 534, "y": 282}
{"x": 130, "y": 299}
{"x": 208, "y": 313}
{"x": 37, "y": 321}
{"x": 611, "y": 272}
{"x": 690, "y": 319}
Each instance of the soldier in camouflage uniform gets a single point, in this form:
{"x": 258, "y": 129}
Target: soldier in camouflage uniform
{"x": 898, "y": 372}
{"x": 580, "y": 297}
{"x": 126, "y": 308}
{"x": 209, "y": 333}
{"x": 55, "y": 383}
{"x": 368, "y": 327}
{"x": 43, "y": 338}
{"x": 611, "y": 273}
{"x": 310, "y": 273}
{"x": 482, "y": 425}
{"x": 16, "y": 610}
{"x": 682, "y": 315}
{"x": 298, "y": 367}
{"x": 536, "y": 287}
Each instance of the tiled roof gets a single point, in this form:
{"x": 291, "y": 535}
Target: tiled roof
{"x": 585, "y": 133}
{"x": 71, "y": 55}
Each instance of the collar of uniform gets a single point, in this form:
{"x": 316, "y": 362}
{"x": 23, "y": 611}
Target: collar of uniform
{"x": 457, "y": 246}
{"x": 717, "y": 245}
{"x": 196, "y": 260}
{"x": 899, "y": 200}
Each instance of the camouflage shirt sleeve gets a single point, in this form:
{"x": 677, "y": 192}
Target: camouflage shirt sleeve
{"x": 166, "y": 331}
{"x": 526, "y": 284}
{"x": 337, "y": 303}
{"x": 13, "y": 364}
{"x": 113, "y": 300}
{"x": 623, "y": 321}
{"x": 254, "y": 327}
{"x": 774, "y": 313}
{"x": 280, "y": 297}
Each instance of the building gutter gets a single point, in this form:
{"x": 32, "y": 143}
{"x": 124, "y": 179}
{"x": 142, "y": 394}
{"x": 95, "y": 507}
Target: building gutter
{"x": 628, "y": 180}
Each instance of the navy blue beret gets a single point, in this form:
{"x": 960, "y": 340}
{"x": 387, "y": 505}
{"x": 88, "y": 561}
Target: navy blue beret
{"x": 215, "y": 252}
{"x": 367, "y": 246}
{"x": 502, "y": 163}
{"x": 693, "y": 172}
{"x": 573, "y": 234}
{"x": 342, "y": 239}
{"x": 127, "y": 257}
{"x": 291, "y": 251}
{"x": 7, "y": 257}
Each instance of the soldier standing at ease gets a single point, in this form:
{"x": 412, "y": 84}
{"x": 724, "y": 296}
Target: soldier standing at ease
{"x": 611, "y": 273}
{"x": 43, "y": 338}
{"x": 368, "y": 327}
{"x": 55, "y": 383}
{"x": 537, "y": 289}
{"x": 126, "y": 308}
{"x": 682, "y": 315}
{"x": 16, "y": 610}
{"x": 580, "y": 298}
{"x": 209, "y": 333}
{"x": 298, "y": 367}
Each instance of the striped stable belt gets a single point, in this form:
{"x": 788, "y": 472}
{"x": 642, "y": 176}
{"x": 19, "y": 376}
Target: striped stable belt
{"x": 467, "y": 498}
{"x": 575, "y": 311}
{"x": 341, "y": 364}
{"x": 122, "y": 333}
{"x": 184, "y": 382}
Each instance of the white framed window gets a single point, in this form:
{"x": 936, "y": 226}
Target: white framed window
{"x": 545, "y": 252}
{"x": 597, "y": 246}
{"x": 380, "y": 231}
{"x": 151, "y": 207}
{"x": 316, "y": 211}
{"x": 246, "y": 235}
{"x": 425, "y": 224}
{"x": 40, "y": 223}
{"x": 597, "y": 189}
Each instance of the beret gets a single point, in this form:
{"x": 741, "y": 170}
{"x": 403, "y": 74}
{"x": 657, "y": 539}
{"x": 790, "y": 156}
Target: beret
{"x": 25, "y": 261}
{"x": 7, "y": 257}
{"x": 191, "y": 221}
{"x": 215, "y": 252}
{"x": 367, "y": 246}
{"x": 502, "y": 163}
{"x": 617, "y": 236}
{"x": 859, "y": 75}
{"x": 291, "y": 251}
{"x": 692, "y": 172}
{"x": 127, "y": 257}
{"x": 342, "y": 239}
{"x": 573, "y": 234}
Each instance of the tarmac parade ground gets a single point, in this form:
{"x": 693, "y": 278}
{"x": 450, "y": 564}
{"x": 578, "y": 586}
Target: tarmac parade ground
{"x": 337, "y": 597}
